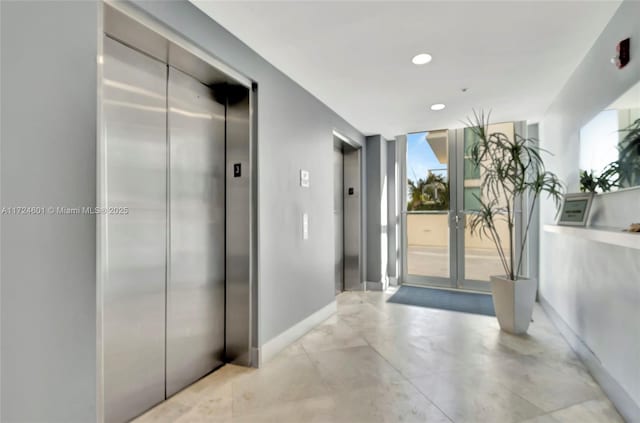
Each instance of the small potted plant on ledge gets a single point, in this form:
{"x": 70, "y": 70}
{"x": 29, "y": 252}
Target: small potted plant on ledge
{"x": 512, "y": 175}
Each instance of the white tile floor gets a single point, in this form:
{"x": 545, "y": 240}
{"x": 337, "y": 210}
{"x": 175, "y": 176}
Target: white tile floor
{"x": 380, "y": 362}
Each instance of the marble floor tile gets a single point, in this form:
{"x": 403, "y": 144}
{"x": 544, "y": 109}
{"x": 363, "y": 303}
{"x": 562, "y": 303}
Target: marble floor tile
{"x": 549, "y": 388}
{"x": 360, "y": 316}
{"x": 397, "y": 401}
{"x": 214, "y": 405}
{"x": 420, "y": 356}
{"x": 166, "y": 411}
{"x": 375, "y": 361}
{"x": 353, "y": 298}
{"x": 355, "y": 367}
{"x": 214, "y": 385}
{"x": 474, "y": 397}
{"x": 281, "y": 379}
{"x": 293, "y": 350}
{"x": 331, "y": 336}
{"x": 545, "y": 418}
{"x": 320, "y": 409}
{"x": 594, "y": 411}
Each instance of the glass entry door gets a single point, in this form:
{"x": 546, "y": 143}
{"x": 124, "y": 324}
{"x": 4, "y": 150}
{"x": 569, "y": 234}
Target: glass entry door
{"x": 439, "y": 196}
{"x": 429, "y": 209}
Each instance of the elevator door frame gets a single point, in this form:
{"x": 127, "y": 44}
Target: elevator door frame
{"x": 352, "y": 216}
{"x": 128, "y": 25}
{"x": 338, "y": 216}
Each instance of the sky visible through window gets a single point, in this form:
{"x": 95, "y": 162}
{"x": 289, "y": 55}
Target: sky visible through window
{"x": 421, "y": 159}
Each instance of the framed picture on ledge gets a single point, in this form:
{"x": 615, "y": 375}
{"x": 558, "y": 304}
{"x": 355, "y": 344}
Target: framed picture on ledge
{"x": 575, "y": 209}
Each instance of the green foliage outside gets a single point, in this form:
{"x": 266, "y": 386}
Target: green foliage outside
{"x": 431, "y": 193}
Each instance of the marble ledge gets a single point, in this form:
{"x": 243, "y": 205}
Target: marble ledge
{"x": 606, "y": 235}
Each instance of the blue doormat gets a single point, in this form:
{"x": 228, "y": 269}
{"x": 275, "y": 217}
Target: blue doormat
{"x": 466, "y": 302}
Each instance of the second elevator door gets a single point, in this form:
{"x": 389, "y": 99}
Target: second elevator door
{"x": 338, "y": 217}
{"x": 196, "y": 266}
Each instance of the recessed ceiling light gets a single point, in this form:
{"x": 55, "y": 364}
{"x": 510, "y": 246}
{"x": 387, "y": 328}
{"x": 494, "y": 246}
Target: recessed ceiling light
{"x": 421, "y": 59}
{"x": 437, "y": 106}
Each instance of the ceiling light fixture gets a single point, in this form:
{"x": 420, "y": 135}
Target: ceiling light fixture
{"x": 437, "y": 106}
{"x": 421, "y": 59}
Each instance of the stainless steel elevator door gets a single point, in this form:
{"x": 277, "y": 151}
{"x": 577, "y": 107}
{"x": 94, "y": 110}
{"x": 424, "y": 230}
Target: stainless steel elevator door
{"x": 196, "y": 283}
{"x": 134, "y": 101}
{"x": 338, "y": 217}
{"x": 352, "y": 219}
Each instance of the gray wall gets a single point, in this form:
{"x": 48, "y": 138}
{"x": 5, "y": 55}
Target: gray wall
{"x": 594, "y": 288}
{"x": 48, "y": 158}
{"x": 376, "y": 211}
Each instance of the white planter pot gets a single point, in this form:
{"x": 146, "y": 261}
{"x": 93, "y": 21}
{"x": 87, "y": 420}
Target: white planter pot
{"x": 513, "y": 302}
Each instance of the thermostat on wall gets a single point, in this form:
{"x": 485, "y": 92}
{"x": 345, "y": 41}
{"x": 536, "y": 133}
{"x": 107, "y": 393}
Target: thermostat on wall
{"x": 304, "y": 178}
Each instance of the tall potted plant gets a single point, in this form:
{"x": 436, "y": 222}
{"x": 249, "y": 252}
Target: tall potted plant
{"x": 512, "y": 175}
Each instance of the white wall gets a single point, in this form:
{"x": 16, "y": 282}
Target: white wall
{"x": 49, "y": 52}
{"x": 595, "y": 288}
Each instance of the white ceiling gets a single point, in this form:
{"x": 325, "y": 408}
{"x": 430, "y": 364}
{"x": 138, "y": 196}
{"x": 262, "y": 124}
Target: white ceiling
{"x": 355, "y": 56}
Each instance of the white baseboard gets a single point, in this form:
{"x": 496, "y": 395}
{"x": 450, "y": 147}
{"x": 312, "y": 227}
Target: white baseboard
{"x": 616, "y": 393}
{"x": 272, "y": 347}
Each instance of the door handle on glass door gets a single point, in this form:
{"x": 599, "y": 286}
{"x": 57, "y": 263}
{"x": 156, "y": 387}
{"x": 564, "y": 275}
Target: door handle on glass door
{"x": 462, "y": 215}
